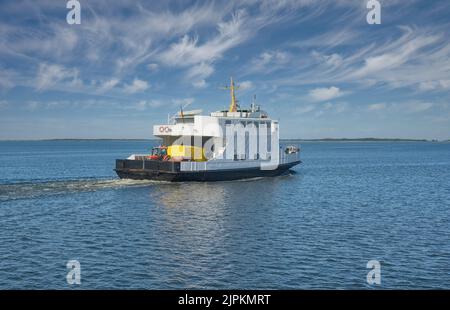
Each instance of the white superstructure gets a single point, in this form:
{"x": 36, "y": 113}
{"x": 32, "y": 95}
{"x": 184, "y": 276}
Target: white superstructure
{"x": 229, "y": 139}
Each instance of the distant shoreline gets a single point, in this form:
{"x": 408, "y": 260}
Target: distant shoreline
{"x": 367, "y": 140}
{"x": 302, "y": 140}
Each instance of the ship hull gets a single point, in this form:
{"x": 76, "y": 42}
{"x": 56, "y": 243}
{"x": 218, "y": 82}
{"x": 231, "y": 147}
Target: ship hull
{"x": 202, "y": 176}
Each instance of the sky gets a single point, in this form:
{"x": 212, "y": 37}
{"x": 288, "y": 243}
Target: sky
{"x": 315, "y": 65}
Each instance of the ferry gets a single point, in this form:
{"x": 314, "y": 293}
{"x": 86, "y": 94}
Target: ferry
{"x": 225, "y": 145}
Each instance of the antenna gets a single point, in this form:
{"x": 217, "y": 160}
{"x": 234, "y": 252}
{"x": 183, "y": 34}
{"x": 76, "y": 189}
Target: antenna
{"x": 182, "y": 106}
{"x": 181, "y": 112}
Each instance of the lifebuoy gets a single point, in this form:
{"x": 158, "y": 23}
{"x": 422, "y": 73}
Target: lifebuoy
{"x": 166, "y": 129}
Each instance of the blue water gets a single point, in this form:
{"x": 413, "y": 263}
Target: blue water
{"x": 348, "y": 203}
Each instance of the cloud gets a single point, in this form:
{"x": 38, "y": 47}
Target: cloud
{"x": 123, "y": 40}
{"x": 198, "y": 73}
{"x": 198, "y": 57}
{"x": 192, "y": 52}
{"x": 47, "y": 41}
{"x": 434, "y": 85}
{"x": 305, "y": 109}
{"x": 377, "y": 107}
{"x": 387, "y": 62}
{"x": 50, "y": 74}
{"x": 410, "y": 57}
{"x": 333, "y": 60}
{"x": 341, "y": 107}
{"x": 338, "y": 107}
{"x": 245, "y": 85}
{"x": 108, "y": 85}
{"x": 179, "y": 37}
{"x": 323, "y": 94}
{"x": 406, "y": 107}
{"x": 153, "y": 67}
{"x": 200, "y": 84}
{"x": 187, "y": 51}
{"x": 269, "y": 61}
{"x": 416, "y": 107}
{"x": 136, "y": 86}
{"x": 183, "y": 102}
{"x": 146, "y": 34}
{"x": 32, "y": 106}
{"x": 329, "y": 39}
{"x": 8, "y": 77}
{"x": 145, "y": 104}
{"x": 202, "y": 70}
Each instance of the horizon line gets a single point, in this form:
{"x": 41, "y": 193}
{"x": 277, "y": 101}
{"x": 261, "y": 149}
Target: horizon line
{"x": 298, "y": 139}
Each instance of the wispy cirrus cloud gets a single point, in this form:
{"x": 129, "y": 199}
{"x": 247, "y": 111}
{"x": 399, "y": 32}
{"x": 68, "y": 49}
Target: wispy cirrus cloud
{"x": 199, "y": 57}
{"x": 411, "y": 57}
{"x": 198, "y": 73}
{"x": 395, "y": 54}
{"x": 188, "y": 51}
{"x": 49, "y": 75}
{"x": 269, "y": 61}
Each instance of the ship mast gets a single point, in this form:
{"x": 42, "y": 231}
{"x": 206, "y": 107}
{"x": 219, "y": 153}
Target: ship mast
{"x": 232, "y": 88}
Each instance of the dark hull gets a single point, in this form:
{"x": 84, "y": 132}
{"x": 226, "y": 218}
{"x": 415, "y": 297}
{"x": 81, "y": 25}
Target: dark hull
{"x": 201, "y": 176}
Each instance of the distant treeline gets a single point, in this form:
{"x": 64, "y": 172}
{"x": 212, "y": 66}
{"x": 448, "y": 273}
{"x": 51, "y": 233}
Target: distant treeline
{"x": 364, "y": 139}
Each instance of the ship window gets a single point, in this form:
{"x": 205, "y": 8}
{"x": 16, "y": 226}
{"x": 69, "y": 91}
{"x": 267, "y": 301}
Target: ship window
{"x": 185, "y": 120}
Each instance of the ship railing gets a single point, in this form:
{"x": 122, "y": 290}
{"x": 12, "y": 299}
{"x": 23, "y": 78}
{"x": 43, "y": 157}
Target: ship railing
{"x": 137, "y": 157}
{"x": 193, "y": 165}
{"x": 288, "y": 156}
{"x": 144, "y": 164}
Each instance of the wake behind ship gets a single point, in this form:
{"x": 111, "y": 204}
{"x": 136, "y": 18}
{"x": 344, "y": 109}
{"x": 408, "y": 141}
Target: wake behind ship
{"x": 226, "y": 145}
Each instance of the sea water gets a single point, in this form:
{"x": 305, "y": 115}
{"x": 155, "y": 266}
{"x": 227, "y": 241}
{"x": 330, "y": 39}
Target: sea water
{"x": 317, "y": 227}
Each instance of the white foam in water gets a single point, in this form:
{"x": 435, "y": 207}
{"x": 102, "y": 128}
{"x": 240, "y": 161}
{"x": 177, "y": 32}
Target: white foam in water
{"x": 32, "y": 190}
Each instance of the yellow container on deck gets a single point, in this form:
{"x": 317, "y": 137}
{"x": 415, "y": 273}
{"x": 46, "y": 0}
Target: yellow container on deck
{"x": 186, "y": 152}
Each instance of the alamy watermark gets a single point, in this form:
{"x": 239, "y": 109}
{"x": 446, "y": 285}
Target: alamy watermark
{"x": 74, "y": 274}
{"x": 374, "y": 15}
{"x": 74, "y": 15}
{"x": 374, "y": 275}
